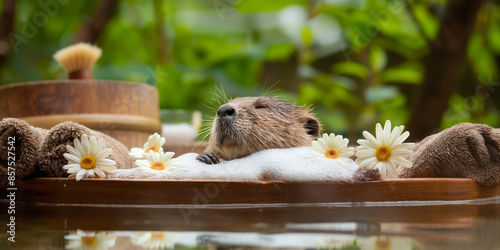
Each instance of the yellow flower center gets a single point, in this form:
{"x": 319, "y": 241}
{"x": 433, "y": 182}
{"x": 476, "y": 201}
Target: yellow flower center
{"x": 383, "y": 153}
{"x": 154, "y": 148}
{"x": 157, "y": 236}
{"x": 332, "y": 153}
{"x": 89, "y": 241}
{"x": 158, "y": 165}
{"x": 88, "y": 162}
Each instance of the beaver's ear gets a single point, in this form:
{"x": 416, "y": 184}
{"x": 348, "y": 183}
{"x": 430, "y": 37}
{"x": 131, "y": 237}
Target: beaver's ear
{"x": 312, "y": 126}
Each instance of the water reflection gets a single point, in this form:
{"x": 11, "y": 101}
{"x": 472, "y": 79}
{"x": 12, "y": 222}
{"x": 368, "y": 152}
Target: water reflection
{"x": 154, "y": 240}
{"x": 224, "y": 240}
{"x": 327, "y": 227}
{"x": 90, "y": 240}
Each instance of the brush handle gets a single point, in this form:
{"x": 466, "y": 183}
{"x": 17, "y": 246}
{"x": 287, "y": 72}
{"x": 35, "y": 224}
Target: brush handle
{"x": 80, "y": 74}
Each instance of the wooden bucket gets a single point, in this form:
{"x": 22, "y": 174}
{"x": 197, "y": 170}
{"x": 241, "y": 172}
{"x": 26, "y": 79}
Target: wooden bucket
{"x": 128, "y": 112}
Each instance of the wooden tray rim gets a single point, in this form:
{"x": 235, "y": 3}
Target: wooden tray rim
{"x": 218, "y": 192}
{"x": 70, "y": 81}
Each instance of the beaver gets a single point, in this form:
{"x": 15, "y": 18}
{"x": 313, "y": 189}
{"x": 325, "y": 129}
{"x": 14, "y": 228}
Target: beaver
{"x": 249, "y": 124}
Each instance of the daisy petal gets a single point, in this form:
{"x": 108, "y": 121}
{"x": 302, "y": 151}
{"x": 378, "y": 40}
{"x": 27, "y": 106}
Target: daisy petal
{"x": 379, "y": 134}
{"x": 107, "y": 168}
{"x": 371, "y": 139}
{"x": 72, "y": 168}
{"x": 143, "y": 163}
{"x": 100, "y": 173}
{"x": 407, "y": 145}
{"x": 387, "y": 131}
{"x": 391, "y": 170}
{"x": 78, "y": 146}
{"x": 401, "y": 153}
{"x": 104, "y": 153}
{"x": 368, "y": 163}
{"x": 364, "y": 143}
{"x": 73, "y": 151}
{"x": 80, "y": 174}
{"x": 323, "y": 143}
{"x": 85, "y": 144}
{"x": 106, "y": 162}
{"x": 71, "y": 158}
{"x": 402, "y": 162}
{"x": 392, "y": 138}
{"x": 99, "y": 145}
{"x": 366, "y": 152}
{"x": 382, "y": 169}
{"x": 402, "y": 138}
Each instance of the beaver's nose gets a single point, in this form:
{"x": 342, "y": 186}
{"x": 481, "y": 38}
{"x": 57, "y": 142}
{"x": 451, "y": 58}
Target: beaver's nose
{"x": 225, "y": 111}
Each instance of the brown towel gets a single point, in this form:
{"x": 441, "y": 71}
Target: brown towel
{"x": 25, "y": 149}
{"x": 465, "y": 150}
{"x": 363, "y": 174}
{"x": 54, "y": 146}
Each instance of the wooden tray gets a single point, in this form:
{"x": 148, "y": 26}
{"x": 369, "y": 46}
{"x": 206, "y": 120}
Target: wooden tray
{"x": 203, "y": 193}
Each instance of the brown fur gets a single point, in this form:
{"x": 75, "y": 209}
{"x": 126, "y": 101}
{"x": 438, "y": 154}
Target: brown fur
{"x": 261, "y": 123}
{"x": 54, "y": 146}
{"x": 465, "y": 150}
{"x": 27, "y": 141}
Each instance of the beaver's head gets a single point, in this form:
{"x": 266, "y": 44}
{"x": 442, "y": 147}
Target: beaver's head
{"x": 249, "y": 124}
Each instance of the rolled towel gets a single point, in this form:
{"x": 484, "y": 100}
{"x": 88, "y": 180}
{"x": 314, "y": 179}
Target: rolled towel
{"x": 25, "y": 141}
{"x": 363, "y": 174}
{"x": 54, "y": 146}
{"x": 465, "y": 150}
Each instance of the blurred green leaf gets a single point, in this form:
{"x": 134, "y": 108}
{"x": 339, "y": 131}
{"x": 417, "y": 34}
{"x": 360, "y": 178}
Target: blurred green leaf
{"x": 308, "y": 93}
{"x": 403, "y": 74}
{"x": 242, "y": 70}
{"x": 394, "y": 109}
{"x": 482, "y": 60}
{"x": 494, "y": 37}
{"x": 378, "y": 58}
{"x": 175, "y": 91}
{"x": 279, "y": 52}
{"x": 350, "y": 68}
{"x": 262, "y": 5}
{"x": 374, "y": 5}
{"x": 428, "y": 22}
{"x": 307, "y": 36}
{"x": 380, "y": 93}
{"x": 468, "y": 109}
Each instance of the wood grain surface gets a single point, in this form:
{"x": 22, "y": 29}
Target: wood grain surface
{"x": 175, "y": 192}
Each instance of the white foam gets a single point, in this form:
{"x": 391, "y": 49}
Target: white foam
{"x": 293, "y": 164}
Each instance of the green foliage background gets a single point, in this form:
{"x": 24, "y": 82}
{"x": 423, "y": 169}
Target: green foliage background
{"x": 358, "y": 62}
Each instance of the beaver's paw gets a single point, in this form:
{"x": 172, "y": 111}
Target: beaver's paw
{"x": 208, "y": 158}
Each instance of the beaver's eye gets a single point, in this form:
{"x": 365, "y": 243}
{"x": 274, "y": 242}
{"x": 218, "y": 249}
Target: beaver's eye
{"x": 260, "y": 105}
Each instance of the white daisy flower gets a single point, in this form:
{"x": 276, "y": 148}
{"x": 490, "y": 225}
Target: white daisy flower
{"x": 157, "y": 161}
{"x": 385, "y": 151}
{"x": 90, "y": 240}
{"x": 154, "y": 240}
{"x": 333, "y": 147}
{"x": 155, "y": 143}
{"x": 88, "y": 157}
